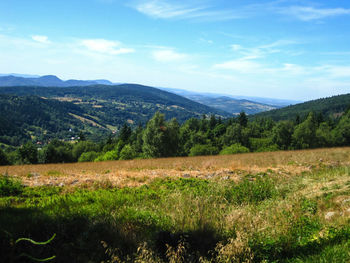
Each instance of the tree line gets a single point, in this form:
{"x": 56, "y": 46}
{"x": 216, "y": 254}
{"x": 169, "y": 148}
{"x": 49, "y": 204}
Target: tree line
{"x": 205, "y": 136}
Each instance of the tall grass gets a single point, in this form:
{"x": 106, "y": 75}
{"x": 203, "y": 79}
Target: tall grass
{"x": 261, "y": 218}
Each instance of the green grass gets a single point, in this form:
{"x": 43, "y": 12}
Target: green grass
{"x": 263, "y": 218}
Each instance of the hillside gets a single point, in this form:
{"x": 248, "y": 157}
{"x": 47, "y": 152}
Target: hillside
{"x": 330, "y": 107}
{"x": 30, "y": 117}
{"x": 46, "y": 112}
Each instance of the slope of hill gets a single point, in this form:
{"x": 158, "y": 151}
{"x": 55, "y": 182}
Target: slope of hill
{"x": 330, "y": 107}
{"x": 46, "y": 112}
{"x": 29, "y": 117}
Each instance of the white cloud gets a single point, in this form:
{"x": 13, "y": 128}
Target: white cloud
{"x": 168, "y": 55}
{"x": 105, "y": 46}
{"x": 308, "y": 13}
{"x": 168, "y": 10}
{"x": 41, "y": 39}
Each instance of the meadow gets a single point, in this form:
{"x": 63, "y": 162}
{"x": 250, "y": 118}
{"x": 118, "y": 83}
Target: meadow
{"x": 291, "y": 206}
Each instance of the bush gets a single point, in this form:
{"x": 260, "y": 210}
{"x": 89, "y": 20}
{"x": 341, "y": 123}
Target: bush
{"x": 108, "y": 156}
{"x": 10, "y": 186}
{"x": 88, "y": 157}
{"x": 270, "y": 148}
{"x": 234, "y": 148}
{"x": 127, "y": 153}
{"x": 200, "y": 149}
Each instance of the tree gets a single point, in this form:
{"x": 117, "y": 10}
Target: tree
{"x": 28, "y": 153}
{"x": 342, "y": 130}
{"x": 154, "y": 137}
{"x": 304, "y": 135}
{"x": 324, "y": 135}
{"x": 172, "y": 138}
{"x": 3, "y": 158}
{"x": 282, "y": 134}
{"x": 236, "y": 133}
{"x": 57, "y": 152}
{"x": 242, "y": 119}
{"x": 125, "y": 133}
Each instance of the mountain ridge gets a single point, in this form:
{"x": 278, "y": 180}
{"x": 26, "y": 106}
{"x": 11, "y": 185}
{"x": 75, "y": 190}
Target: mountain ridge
{"x": 46, "y": 81}
{"x": 328, "y": 106}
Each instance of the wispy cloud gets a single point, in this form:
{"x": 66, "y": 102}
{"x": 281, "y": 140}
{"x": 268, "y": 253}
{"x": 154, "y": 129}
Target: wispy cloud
{"x": 41, "y": 39}
{"x": 308, "y": 13}
{"x": 168, "y": 55}
{"x": 105, "y": 46}
{"x": 336, "y": 71}
{"x": 164, "y": 9}
{"x": 240, "y": 65}
{"x": 262, "y": 50}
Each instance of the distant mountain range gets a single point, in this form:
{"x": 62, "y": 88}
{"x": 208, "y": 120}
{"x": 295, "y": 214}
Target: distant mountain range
{"x": 225, "y": 103}
{"x": 46, "y": 81}
{"x": 228, "y": 103}
{"x": 276, "y": 103}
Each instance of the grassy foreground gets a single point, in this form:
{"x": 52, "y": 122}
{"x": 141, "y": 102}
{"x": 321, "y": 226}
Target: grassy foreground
{"x": 271, "y": 207}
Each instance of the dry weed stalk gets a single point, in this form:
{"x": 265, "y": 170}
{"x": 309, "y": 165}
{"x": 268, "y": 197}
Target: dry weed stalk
{"x": 235, "y": 251}
{"x": 176, "y": 255}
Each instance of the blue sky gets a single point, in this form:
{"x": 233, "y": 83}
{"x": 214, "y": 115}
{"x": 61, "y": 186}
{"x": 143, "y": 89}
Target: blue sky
{"x": 282, "y": 49}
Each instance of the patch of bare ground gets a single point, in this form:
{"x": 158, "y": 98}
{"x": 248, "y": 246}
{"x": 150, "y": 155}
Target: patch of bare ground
{"x": 137, "y": 172}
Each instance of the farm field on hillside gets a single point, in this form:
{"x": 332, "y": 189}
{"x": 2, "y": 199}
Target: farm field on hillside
{"x": 263, "y": 207}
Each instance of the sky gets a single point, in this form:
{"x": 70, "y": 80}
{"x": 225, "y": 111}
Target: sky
{"x": 287, "y": 49}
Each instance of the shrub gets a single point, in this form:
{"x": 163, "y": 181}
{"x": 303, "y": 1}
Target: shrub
{"x": 200, "y": 149}
{"x": 127, "y": 153}
{"x": 10, "y": 186}
{"x": 233, "y": 149}
{"x": 270, "y": 148}
{"x": 88, "y": 157}
{"x": 108, "y": 156}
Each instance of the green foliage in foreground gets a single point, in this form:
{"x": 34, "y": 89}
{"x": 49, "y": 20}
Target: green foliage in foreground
{"x": 260, "y": 219}
{"x": 9, "y": 186}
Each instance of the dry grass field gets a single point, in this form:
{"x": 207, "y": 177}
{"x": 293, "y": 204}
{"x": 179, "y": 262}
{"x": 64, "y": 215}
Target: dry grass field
{"x": 138, "y": 172}
{"x": 291, "y": 206}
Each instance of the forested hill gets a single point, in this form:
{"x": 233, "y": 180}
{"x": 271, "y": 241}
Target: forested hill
{"x": 132, "y": 98}
{"x": 41, "y": 113}
{"x": 329, "y": 107}
{"x": 24, "y": 118}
